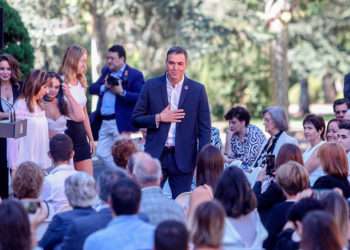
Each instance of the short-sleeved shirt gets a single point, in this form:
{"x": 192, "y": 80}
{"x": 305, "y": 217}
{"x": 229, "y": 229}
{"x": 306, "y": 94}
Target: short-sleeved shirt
{"x": 249, "y": 148}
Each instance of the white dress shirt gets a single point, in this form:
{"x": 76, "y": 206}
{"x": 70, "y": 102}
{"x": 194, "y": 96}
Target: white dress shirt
{"x": 53, "y": 188}
{"x": 173, "y": 99}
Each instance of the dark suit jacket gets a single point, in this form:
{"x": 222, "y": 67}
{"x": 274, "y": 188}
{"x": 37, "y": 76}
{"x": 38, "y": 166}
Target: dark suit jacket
{"x": 59, "y": 225}
{"x": 347, "y": 86}
{"x": 191, "y": 134}
{"x": 81, "y": 228}
{"x": 124, "y": 105}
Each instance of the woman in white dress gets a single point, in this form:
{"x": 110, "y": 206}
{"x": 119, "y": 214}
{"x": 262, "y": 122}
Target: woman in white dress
{"x": 314, "y": 132}
{"x": 73, "y": 69}
{"x": 35, "y": 145}
{"x": 58, "y": 104}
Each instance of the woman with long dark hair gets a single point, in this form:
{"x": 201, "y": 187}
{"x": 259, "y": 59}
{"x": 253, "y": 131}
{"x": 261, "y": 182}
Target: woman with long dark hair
{"x": 34, "y": 146}
{"x": 73, "y": 69}
{"x": 59, "y": 104}
{"x": 9, "y": 91}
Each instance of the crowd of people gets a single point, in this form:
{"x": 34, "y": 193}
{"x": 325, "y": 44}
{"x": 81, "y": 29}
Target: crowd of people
{"x": 177, "y": 188}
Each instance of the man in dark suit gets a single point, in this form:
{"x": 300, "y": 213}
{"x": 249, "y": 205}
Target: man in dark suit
{"x": 81, "y": 228}
{"x": 116, "y": 101}
{"x": 175, "y": 111}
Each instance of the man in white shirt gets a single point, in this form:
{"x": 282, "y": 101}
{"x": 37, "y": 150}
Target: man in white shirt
{"x": 61, "y": 152}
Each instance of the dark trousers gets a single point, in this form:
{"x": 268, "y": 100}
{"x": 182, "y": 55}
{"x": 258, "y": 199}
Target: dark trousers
{"x": 179, "y": 182}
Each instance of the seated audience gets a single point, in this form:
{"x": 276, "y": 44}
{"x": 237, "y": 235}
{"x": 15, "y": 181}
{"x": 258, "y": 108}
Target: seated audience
{"x": 336, "y": 205}
{"x": 81, "y": 228}
{"x": 122, "y": 149}
{"x": 15, "y": 228}
{"x": 314, "y": 130}
{"x": 171, "y": 235}
{"x": 332, "y": 130}
{"x": 243, "y": 228}
{"x": 208, "y": 226}
{"x": 292, "y": 179}
{"x": 210, "y": 165}
{"x": 154, "y": 204}
{"x": 244, "y": 141}
{"x": 340, "y": 106}
{"x": 276, "y": 124}
{"x": 126, "y": 228}
{"x": 320, "y": 232}
{"x": 335, "y": 164}
{"x": 81, "y": 194}
{"x": 289, "y": 238}
{"x": 61, "y": 153}
{"x": 267, "y": 191}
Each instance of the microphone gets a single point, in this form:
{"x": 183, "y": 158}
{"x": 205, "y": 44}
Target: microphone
{"x": 12, "y": 112}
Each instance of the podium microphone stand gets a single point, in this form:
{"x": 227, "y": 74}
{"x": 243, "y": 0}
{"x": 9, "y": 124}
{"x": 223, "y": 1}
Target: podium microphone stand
{"x": 12, "y": 128}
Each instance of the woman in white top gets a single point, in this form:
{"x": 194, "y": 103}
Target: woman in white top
{"x": 73, "y": 69}
{"x": 58, "y": 104}
{"x": 314, "y": 132}
{"x": 243, "y": 227}
{"x": 35, "y": 145}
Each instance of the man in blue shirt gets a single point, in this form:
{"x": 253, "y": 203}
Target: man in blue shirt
{"x": 126, "y": 231}
{"x": 116, "y": 101}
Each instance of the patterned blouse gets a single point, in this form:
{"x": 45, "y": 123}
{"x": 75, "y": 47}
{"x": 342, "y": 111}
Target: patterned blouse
{"x": 247, "y": 150}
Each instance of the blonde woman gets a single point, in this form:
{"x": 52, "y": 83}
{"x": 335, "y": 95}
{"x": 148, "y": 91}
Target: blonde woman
{"x": 73, "y": 70}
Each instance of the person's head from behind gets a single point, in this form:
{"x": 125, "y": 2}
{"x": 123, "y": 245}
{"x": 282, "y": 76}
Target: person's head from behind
{"x": 80, "y": 190}
{"x": 292, "y": 178}
{"x": 340, "y": 106}
{"x": 125, "y": 197}
{"x": 106, "y": 180}
{"x": 61, "y": 149}
{"x": 300, "y": 209}
{"x": 14, "y": 226}
{"x": 171, "y": 235}
{"x": 122, "y": 149}
{"x": 275, "y": 119}
{"x": 289, "y": 152}
{"x": 210, "y": 165}
{"x": 314, "y": 128}
{"x": 319, "y": 231}
{"x": 74, "y": 64}
{"x": 235, "y": 194}
{"x": 147, "y": 170}
{"x": 333, "y": 159}
{"x": 344, "y": 134}
{"x": 208, "y": 225}
{"x": 336, "y": 205}
{"x": 176, "y": 63}
{"x": 28, "y": 181}
{"x": 35, "y": 88}
{"x": 332, "y": 130}
{"x": 9, "y": 69}
{"x": 238, "y": 118}
{"x": 116, "y": 57}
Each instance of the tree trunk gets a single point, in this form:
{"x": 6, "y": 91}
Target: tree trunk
{"x": 279, "y": 67}
{"x": 304, "y": 100}
{"x": 328, "y": 86}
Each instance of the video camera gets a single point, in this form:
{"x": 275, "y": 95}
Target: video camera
{"x": 114, "y": 80}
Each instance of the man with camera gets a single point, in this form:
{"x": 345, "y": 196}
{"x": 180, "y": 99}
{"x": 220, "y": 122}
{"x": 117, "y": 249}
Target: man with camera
{"x": 118, "y": 89}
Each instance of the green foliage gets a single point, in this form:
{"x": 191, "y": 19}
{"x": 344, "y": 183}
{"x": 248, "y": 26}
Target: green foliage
{"x": 17, "y": 41}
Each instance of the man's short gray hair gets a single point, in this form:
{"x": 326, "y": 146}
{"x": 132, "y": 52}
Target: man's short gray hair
{"x": 147, "y": 170}
{"x": 279, "y": 117}
{"x": 80, "y": 189}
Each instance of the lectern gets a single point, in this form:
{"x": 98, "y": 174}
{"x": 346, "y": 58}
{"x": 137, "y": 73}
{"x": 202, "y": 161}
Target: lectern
{"x": 12, "y": 128}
